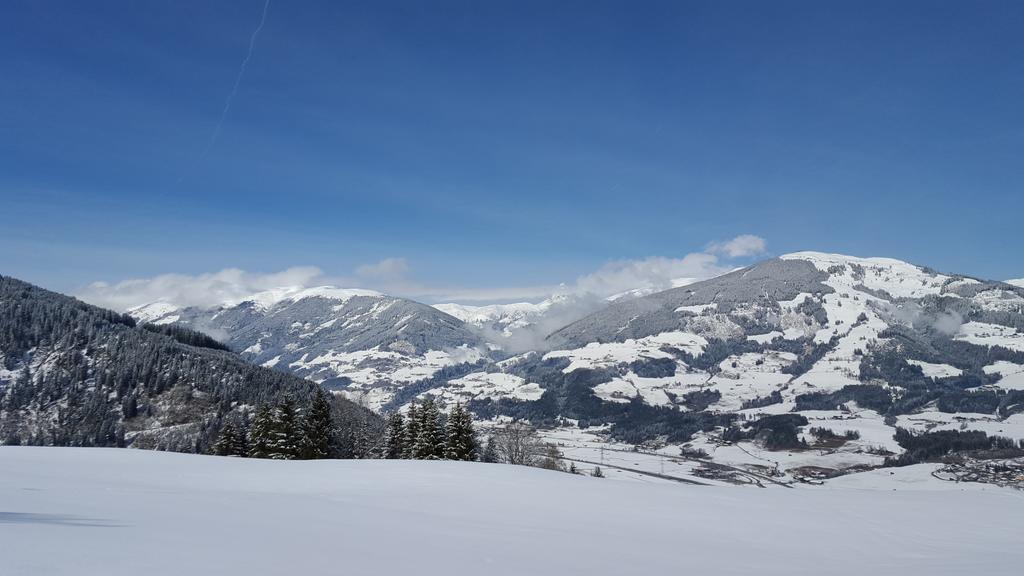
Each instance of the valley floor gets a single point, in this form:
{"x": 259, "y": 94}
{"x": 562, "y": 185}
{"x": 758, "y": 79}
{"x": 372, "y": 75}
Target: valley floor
{"x": 113, "y": 512}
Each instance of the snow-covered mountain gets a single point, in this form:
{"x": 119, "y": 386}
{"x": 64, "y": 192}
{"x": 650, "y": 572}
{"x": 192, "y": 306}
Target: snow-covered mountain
{"x": 740, "y": 366}
{"x": 813, "y": 314}
{"x": 502, "y": 318}
{"x": 1018, "y": 282}
{"x": 522, "y": 326}
{"x": 641, "y": 292}
{"x": 821, "y": 336}
{"x": 362, "y": 342}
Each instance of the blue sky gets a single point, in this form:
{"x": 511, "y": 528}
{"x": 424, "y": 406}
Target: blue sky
{"x": 503, "y": 144}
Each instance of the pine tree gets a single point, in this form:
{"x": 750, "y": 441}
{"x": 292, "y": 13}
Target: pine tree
{"x": 490, "y": 451}
{"x": 430, "y": 437}
{"x": 412, "y": 431}
{"x": 260, "y": 433}
{"x": 460, "y": 437}
{"x": 226, "y": 441}
{"x": 240, "y": 446}
{"x": 317, "y": 428}
{"x": 286, "y": 434}
{"x": 394, "y": 443}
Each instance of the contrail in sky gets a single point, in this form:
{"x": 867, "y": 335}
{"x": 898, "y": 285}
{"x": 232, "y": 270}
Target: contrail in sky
{"x": 238, "y": 80}
{"x": 234, "y": 89}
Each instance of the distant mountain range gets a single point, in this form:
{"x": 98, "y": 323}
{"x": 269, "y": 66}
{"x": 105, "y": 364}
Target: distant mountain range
{"x": 372, "y": 346}
{"x": 362, "y": 342}
{"x": 806, "y": 336}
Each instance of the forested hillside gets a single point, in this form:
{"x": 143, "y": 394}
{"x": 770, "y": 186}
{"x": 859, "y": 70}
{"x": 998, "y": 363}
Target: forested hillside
{"x": 72, "y": 374}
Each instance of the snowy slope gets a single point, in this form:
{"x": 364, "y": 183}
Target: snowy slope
{"x": 522, "y": 326}
{"x": 843, "y": 304}
{"x": 776, "y": 338}
{"x": 506, "y": 316}
{"x": 122, "y": 512}
{"x": 1018, "y": 282}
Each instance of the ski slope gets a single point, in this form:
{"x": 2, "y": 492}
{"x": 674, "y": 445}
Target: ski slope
{"x": 126, "y": 512}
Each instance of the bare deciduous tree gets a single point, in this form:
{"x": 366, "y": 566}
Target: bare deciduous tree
{"x": 519, "y": 443}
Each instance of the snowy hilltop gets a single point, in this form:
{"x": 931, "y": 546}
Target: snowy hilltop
{"x": 67, "y": 511}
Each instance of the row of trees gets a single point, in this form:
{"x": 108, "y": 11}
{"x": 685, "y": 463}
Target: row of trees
{"x": 425, "y": 433}
{"x": 931, "y": 446}
{"x": 281, "y": 432}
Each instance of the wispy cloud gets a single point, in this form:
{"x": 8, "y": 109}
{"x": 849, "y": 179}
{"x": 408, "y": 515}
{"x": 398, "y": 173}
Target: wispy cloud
{"x": 198, "y": 290}
{"x": 396, "y": 276}
{"x": 655, "y": 272}
{"x": 739, "y": 247}
{"x": 387, "y": 270}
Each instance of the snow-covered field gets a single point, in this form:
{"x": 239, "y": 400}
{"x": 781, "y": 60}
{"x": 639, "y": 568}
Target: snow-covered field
{"x": 112, "y": 512}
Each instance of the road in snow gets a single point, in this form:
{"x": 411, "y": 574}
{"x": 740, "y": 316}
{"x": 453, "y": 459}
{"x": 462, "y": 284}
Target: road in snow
{"x": 114, "y": 512}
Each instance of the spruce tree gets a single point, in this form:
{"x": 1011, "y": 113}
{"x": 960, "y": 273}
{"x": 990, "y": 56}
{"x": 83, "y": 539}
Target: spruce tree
{"x": 412, "y": 431}
{"x": 317, "y": 428}
{"x": 430, "y": 437}
{"x": 260, "y": 433}
{"x": 226, "y": 441}
{"x": 394, "y": 442}
{"x": 490, "y": 451}
{"x": 362, "y": 442}
{"x": 240, "y": 446}
{"x": 286, "y": 434}
{"x": 460, "y": 437}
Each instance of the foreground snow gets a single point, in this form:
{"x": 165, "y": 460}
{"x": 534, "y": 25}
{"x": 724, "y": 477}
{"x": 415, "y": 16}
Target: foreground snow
{"x": 107, "y": 511}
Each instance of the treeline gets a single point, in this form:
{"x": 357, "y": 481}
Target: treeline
{"x": 776, "y": 432}
{"x": 761, "y": 401}
{"x": 425, "y": 433}
{"x": 285, "y": 431}
{"x": 931, "y": 446}
{"x": 186, "y": 336}
{"x": 823, "y": 433}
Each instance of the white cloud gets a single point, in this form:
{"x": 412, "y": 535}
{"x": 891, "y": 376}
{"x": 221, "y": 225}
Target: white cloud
{"x": 655, "y": 272}
{"x": 199, "y": 290}
{"x": 388, "y": 269}
{"x": 393, "y": 276}
{"x": 739, "y": 247}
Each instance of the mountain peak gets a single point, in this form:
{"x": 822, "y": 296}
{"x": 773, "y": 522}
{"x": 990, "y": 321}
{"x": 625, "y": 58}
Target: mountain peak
{"x": 274, "y": 296}
{"x": 829, "y": 259}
